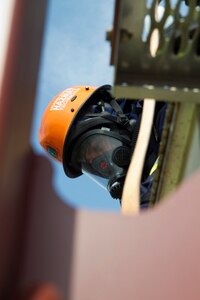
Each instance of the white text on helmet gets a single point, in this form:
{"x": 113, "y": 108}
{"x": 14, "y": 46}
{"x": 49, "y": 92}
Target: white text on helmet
{"x": 61, "y": 102}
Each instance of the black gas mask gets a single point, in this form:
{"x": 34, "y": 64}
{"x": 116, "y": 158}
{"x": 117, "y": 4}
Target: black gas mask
{"x": 104, "y": 156}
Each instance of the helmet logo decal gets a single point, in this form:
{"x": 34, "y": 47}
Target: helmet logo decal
{"x": 61, "y": 101}
{"x": 103, "y": 165}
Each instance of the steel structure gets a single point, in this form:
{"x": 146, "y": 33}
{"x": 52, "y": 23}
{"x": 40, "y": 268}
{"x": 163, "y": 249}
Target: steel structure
{"x": 170, "y": 74}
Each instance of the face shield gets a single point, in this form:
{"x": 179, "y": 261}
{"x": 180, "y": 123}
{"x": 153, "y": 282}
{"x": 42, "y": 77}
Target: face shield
{"x": 104, "y": 156}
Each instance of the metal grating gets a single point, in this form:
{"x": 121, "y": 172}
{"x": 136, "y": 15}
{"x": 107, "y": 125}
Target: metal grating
{"x": 172, "y": 72}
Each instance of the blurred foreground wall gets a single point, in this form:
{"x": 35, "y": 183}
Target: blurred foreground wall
{"x": 51, "y": 251}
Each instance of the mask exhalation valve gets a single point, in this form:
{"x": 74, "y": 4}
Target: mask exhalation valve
{"x": 115, "y": 188}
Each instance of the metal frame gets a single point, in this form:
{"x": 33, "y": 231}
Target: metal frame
{"x": 173, "y": 73}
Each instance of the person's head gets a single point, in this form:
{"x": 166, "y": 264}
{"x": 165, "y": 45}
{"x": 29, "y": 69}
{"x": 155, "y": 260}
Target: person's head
{"x": 84, "y": 128}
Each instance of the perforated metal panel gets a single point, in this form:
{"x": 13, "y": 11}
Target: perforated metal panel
{"x": 172, "y": 72}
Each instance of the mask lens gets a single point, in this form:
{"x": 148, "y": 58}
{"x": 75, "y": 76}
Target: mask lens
{"x": 102, "y": 156}
{"x": 102, "y": 165}
{"x": 95, "y": 152}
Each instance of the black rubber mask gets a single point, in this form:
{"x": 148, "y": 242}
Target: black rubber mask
{"x": 104, "y": 157}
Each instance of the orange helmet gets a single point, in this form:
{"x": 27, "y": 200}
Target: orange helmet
{"x": 58, "y": 118}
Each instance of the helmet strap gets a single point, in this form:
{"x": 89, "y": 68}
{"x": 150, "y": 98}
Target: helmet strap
{"x": 121, "y": 117}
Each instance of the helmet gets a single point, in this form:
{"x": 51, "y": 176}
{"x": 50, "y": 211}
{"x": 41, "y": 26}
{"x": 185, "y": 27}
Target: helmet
{"x": 60, "y": 115}
{"x": 79, "y": 130}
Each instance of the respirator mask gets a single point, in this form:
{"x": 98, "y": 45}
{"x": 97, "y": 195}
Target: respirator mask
{"x": 104, "y": 156}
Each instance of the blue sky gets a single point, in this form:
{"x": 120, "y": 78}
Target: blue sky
{"x": 74, "y": 52}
